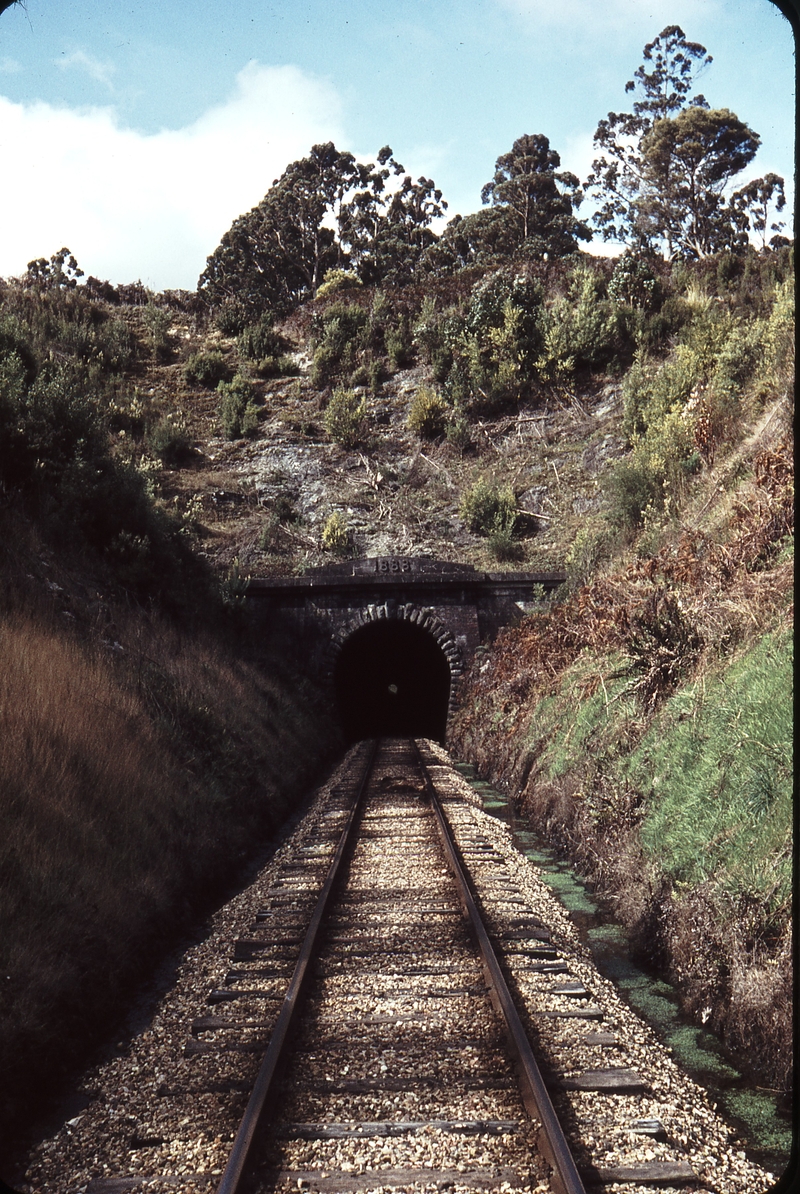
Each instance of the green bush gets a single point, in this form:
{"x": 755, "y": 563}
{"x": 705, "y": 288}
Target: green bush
{"x": 322, "y": 367}
{"x": 633, "y": 283}
{"x": 650, "y": 391}
{"x": 282, "y": 366}
{"x": 427, "y": 416}
{"x": 496, "y": 346}
{"x": 435, "y": 336}
{"x": 655, "y": 474}
{"x": 346, "y": 417}
{"x": 377, "y": 375}
{"x": 779, "y": 335}
{"x": 339, "y": 336}
{"x": 156, "y": 323}
{"x": 359, "y": 378}
{"x": 458, "y": 432}
{"x": 336, "y": 535}
{"x": 579, "y": 330}
{"x": 238, "y": 413}
{"x": 488, "y": 509}
{"x": 169, "y": 439}
{"x": 504, "y": 547}
{"x": 260, "y": 340}
{"x": 231, "y": 317}
{"x": 206, "y": 369}
{"x": 338, "y": 326}
{"x": 335, "y": 281}
{"x": 282, "y": 512}
{"x": 398, "y": 344}
{"x": 589, "y": 548}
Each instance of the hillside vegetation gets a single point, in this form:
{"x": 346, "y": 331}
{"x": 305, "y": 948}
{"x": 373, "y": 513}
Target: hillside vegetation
{"x": 150, "y": 742}
{"x": 491, "y": 395}
{"x": 641, "y": 441}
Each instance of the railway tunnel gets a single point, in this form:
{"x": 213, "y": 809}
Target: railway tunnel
{"x": 389, "y": 636}
{"x": 392, "y": 678}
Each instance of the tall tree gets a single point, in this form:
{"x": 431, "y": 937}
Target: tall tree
{"x": 662, "y": 85}
{"x": 664, "y": 169}
{"x": 688, "y": 162}
{"x": 385, "y": 228}
{"x": 325, "y": 210}
{"x": 277, "y": 254}
{"x": 534, "y": 201}
{"x": 751, "y": 207}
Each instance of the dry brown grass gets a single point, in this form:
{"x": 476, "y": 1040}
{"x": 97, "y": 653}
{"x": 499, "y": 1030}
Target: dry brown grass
{"x": 134, "y": 783}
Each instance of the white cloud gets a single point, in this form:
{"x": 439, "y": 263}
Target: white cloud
{"x": 151, "y": 206}
{"x": 10, "y": 66}
{"x": 101, "y": 72}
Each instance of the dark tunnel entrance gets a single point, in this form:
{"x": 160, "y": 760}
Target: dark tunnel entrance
{"x": 392, "y": 678}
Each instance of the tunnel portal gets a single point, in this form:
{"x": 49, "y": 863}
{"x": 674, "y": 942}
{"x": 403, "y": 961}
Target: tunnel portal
{"x": 392, "y": 678}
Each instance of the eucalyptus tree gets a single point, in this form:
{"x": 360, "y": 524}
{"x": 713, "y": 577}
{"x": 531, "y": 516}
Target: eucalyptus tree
{"x": 663, "y": 171}
{"x": 386, "y": 228}
{"x": 327, "y": 210}
{"x": 755, "y": 203}
{"x": 534, "y": 202}
{"x": 688, "y": 162}
{"x": 278, "y": 253}
{"x": 662, "y": 85}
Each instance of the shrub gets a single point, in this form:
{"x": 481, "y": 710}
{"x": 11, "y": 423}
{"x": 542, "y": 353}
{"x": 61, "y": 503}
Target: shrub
{"x": 377, "y": 375}
{"x": 322, "y": 367}
{"x": 487, "y": 509}
{"x": 346, "y": 417}
{"x": 156, "y": 322}
{"x": 579, "y": 330}
{"x": 779, "y": 334}
{"x": 336, "y": 535}
{"x": 633, "y": 283}
{"x": 588, "y": 548}
{"x": 650, "y": 391}
{"x": 231, "y": 317}
{"x": 338, "y": 326}
{"x": 656, "y": 472}
{"x": 427, "y": 416}
{"x": 169, "y": 439}
{"x": 398, "y": 345}
{"x": 206, "y": 369}
{"x": 260, "y": 340}
{"x": 238, "y": 413}
{"x": 504, "y": 547}
{"x": 458, "y": 432}
{"x": 339, "y": 335}
{"x": 336, "y": 280}
{"x": 434, "y": 335}
{"x": 359, "y": 378}
{"x": 496, "y": 346}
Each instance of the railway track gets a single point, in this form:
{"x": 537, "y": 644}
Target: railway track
{"x": 397, "y": 1017}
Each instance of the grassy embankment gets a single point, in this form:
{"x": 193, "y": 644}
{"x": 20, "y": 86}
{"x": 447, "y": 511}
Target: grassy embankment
{"x": 645, "y": 722}
{"x": 150, "y": 742}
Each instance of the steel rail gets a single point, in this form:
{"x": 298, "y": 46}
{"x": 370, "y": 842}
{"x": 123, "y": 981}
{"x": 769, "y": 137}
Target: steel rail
{"x": 239, "y": 1155}
{"x": 552, "y": 1141}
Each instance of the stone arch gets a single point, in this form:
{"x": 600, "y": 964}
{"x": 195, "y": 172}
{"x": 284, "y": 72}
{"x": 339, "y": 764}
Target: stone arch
{"x": 416, "y": 615}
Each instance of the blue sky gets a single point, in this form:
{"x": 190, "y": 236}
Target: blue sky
{"x": 136, "y": 132}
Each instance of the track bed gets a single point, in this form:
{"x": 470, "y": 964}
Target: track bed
{"x": 400, "y": 1068}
